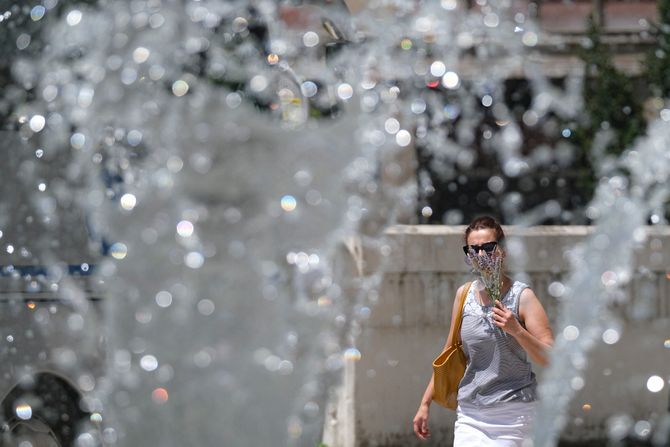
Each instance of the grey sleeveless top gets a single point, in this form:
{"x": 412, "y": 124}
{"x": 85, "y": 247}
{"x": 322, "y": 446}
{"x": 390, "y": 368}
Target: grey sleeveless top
{"x": 497, "y": 369}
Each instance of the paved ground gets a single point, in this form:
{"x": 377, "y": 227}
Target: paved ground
{"x": 605, "y": 443}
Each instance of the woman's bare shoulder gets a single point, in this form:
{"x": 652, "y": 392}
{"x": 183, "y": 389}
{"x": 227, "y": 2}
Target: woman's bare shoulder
{"x": 528, "y": 293}
{"x": 462, "y": 287}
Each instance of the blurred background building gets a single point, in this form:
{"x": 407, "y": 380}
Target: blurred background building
{"x": 600, "y": 56}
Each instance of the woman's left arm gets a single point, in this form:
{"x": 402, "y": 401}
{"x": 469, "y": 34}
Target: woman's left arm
{"x": 536, "y": 339}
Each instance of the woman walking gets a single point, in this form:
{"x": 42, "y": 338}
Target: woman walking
{"x": 499, "y": 333}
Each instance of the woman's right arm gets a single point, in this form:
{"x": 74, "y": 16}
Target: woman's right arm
{"x": 421, "y": 418}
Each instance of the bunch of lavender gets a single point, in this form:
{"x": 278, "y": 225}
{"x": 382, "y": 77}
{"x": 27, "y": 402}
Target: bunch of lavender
{"x": 489, "y": 268}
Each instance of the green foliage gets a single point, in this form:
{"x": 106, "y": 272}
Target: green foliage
{"x": 610, "y": 99}
{"x": 612, "y": 108}
{"x": 658, "y": 58}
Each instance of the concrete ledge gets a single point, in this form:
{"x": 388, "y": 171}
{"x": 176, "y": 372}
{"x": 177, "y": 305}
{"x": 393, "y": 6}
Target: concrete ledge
{"x": 437, "y": 248}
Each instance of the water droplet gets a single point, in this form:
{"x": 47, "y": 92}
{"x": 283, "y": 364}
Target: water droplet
{"x": 611, "y": 336}
{"x": 449, "y": 5}
{"x": 491, "y": 20}
{"x": 194, "y": 260}
{"x": 556, "y": 289}
{"x": 185, "y": 228}
{"x": 288, "y": 203}
{"x": 295, "y": 428}
{"x": 134, "y": 137}
{"x": 571, "y": 333}
{"x": 143, "y": 316}
{"x": 37, "y": 123}
{"x": 655, "y": 384}
{"x": 75, "y": 322}
{"x": 233, "y": 100}
{"x": 303, "y": 178}
{"x": 403, "y": 138}
{"x": 156, "y": 72}
{"x": 37, "y": 13}
{"x": 392, "y": 126}
{"x": 96, "y": 418}
{"x": 23, "y": 41}
{"x": 418, "y": 106}
{"x": 529, "y": 39}
{"x": 118, "y": 250}
{"x": 149, "y": 363}
{"x": 109, "y": 436}
{"x": 577, "y": 383}
{"x": 160, "y": 396}
{"x": 424, "y": 24}
{"x": 24, "y": 411}
{"x": 285, "y": 367}
{"x": 258, "y": 83}
{"x": 618, "y": 426}
{"x": 313, "y": 197}
{"x": 453, "y": 111}
{"x": 77, "y": 140}
{"x": 311, "y": 409}
{"x": 164, "y": 298}
{"x": 609, "y": 278}
{"x": 352, "y": 354}
{"x": 180, "y": 88}
{"x": 273, "y": 59}
{"x": 128, "y": 201}
{"x": 451, "y": 80}
{"x": 206, "y": 307}
{"x": 642, "y": 429}
{"x": 156, "y": 20}
{"x": 310, "y": 39}
{"x": 438, "y": 69}
{"x": 74, "y": 17}
{"x": 240, "y": 24}
{"x": 141, "y": 54}
{"x": 309, "y": 89}
{"x": 496, "y": 184}
{"x": 86, "y": 382}
{"x": 345, "y": 91}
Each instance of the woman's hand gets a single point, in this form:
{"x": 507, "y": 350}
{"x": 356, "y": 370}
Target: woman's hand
{"x": 505, "y": 319}
{"x": 421, "y": 422}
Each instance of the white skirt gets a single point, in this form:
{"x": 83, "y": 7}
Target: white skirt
{"x": 502, "y": 425}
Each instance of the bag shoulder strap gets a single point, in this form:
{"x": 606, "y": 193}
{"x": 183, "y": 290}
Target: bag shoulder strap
{"x": 456, "y": 336}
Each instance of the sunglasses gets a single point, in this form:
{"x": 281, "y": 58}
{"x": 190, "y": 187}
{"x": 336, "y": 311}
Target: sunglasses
{"x": 488, "y": 248}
